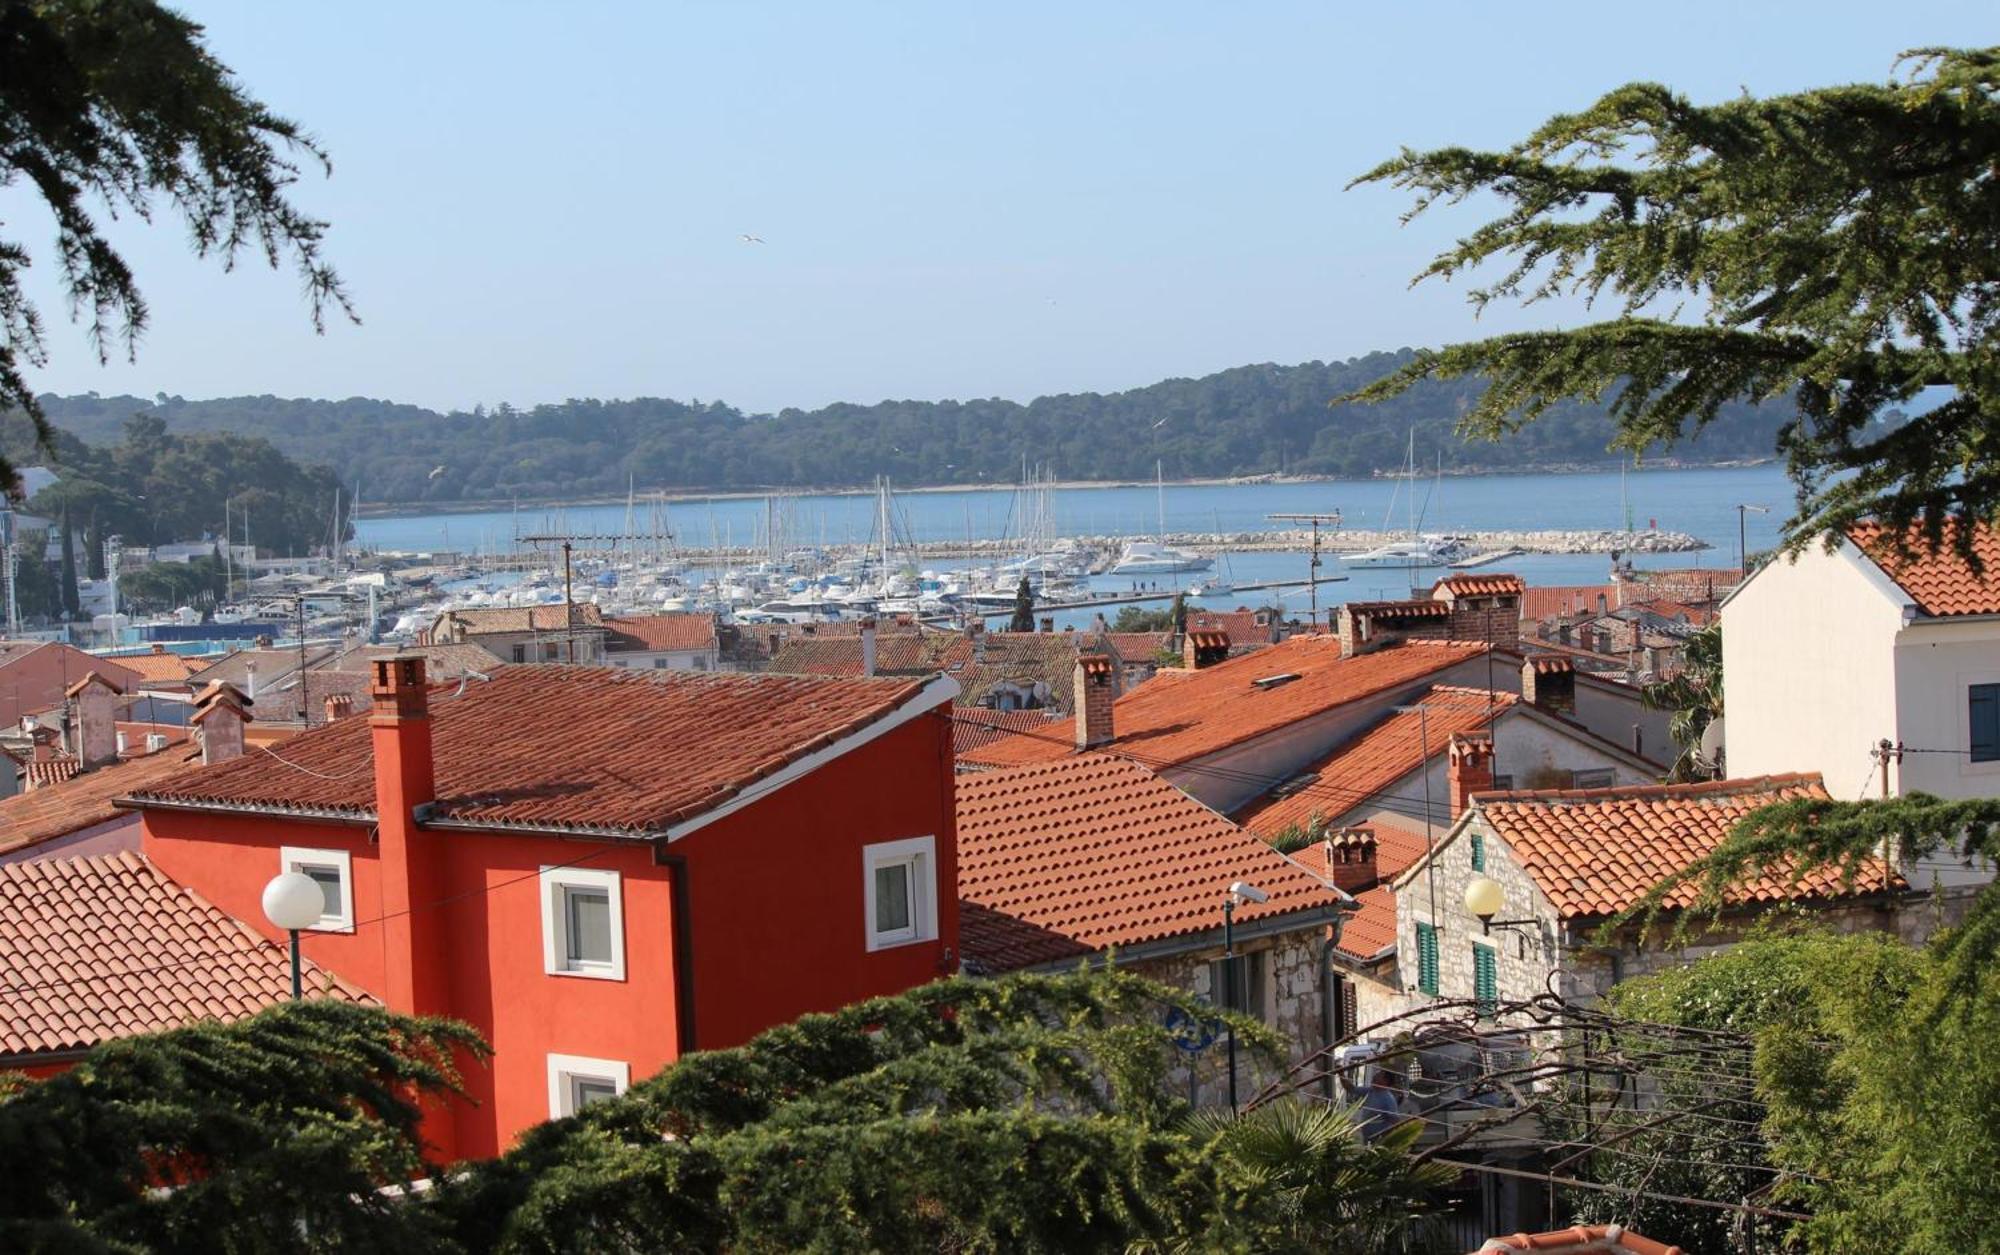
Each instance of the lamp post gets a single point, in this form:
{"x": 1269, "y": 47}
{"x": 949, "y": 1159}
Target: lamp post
{"x": 1742, "y": 549}
{"x": 292, "y": 901}
{"x": 1241, "y": 891}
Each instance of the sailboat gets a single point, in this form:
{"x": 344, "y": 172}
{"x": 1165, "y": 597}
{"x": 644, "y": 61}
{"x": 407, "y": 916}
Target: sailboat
{"x": 1428, "y": 549}
{"x": 1145, "y": 557}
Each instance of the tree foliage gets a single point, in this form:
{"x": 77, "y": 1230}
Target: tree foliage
{"x": 269, "y": 1134}
{"x": 1247, "y": 421}
{"x": 154, "y": 486}
{"x": 1837, "y": 246}
{"x": 118, "y": 103}
{"x": 1694, "y": 695}
{"x": 1871, "y": 1112}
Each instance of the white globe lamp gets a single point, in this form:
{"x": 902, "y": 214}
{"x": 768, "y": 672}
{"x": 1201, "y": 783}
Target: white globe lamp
{"x": 292, "y": 901}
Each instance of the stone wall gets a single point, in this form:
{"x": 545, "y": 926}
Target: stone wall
{"x": 1293, "y": 967}
{"x": 1522, "y": 962}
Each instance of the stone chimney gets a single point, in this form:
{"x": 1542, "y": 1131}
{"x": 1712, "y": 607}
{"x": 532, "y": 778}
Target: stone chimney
{"x": 1469, "y": 769}
{"x": 1096, "y": 692}
{"x": 1549, "y": 683}
{"x": 250, "y": 681}
{"x": 868, "y": 647}
{"x": 338, "y": 706}
{"x": 219, "y": 716}
{"x": 93, "y": 704}
{"x": 1483, "y": 607}
{"x": 1203, "y": 649}
{"x": 1048, "y": 623}
{"x": 1350, "y": 859}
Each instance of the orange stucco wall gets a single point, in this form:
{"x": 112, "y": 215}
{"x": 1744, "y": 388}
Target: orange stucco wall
{"x": 776, "y": 917}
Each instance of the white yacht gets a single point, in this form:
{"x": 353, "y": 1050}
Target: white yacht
{"x": 1145, "y": 557}
{"x": 1424, "y": 551}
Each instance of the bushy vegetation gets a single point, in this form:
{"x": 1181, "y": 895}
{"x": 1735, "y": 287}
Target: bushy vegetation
{"x": 1250, "y": 420}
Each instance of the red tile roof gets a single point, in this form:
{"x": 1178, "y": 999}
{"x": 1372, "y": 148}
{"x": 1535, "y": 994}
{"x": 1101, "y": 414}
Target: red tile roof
{"x": 1602, "y": 1239}
{"x": 93, "y": 949}
{"x": 83, "y": 801}
{"x": 902, "y": 653}
{"x": 1223, "y": 705}
{"x": 1554, "y": 600}
{"x": 1470, "y": 585}
{"x": 974, "y": 726}
{"x": 1138, "y": 647}
{"x": 1599, "y": 851}
{"x": 589, "y": 749}
{"x": 1240, "y": 625}
{"x": 41, "y": 773}
{"x": 1941, "y": 583}
{"x": 661, "y": 633}
{"x": 159, "y": 668}
{"x": 1361, "y": 768}
{"x": 547, "y": 618}
{"x": 1068, "y": 858}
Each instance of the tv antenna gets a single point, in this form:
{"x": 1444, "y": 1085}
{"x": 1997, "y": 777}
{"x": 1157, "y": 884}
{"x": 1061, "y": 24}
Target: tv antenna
{"x": 1312, "y": 567}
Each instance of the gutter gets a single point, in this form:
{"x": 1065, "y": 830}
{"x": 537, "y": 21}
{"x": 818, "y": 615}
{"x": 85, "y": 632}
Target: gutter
{"x": 362, "y": 818}
{"x": 1207, "y": 939}
{"x": 40, "y": 1058}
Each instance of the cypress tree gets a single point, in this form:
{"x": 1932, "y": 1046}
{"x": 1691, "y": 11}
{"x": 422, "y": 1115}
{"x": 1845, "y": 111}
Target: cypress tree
{"x": 72, "y": 601}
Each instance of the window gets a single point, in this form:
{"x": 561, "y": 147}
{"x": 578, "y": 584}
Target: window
{"x": 701, "y": 664}
{"x": 1427, "y": 958}
{"x": 1983, "y": 707}
{"x": 1238, "y": 984}
{"x": 660, "y": 664}
{"x": 900, "y": 888}
{"x": 551, "y": 651}
{"x": 1478, "y": 851}
{"x": 1601, "y": 778}
{"x": 333, "y": 872}
{"x": 1485, "y": 978}
{"x": 576, "y": 1082}
{"x": 520, "y": 653}
{"x": 583, "y": 923}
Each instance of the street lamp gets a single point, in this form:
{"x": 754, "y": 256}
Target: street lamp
{"x": 1742, "y": 549}
{"x": 1484, "y": 897}
{"x": 1241, "y": 891}
{"x": 294, "y": 900}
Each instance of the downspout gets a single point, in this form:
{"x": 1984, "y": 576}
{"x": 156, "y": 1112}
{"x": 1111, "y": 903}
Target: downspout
{"x": 677, "y": 881}
{"x": 1327, "y": 1009}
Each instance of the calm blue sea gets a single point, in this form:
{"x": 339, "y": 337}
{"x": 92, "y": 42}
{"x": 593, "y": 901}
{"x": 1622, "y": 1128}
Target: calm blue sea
{"x": 1701, "y": 502}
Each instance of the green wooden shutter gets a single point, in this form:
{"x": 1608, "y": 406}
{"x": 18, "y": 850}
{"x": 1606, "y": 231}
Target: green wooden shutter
{"x": 1983, "y": 706}
{"x": 1427, "y": 958}
{"x": 1478, "y": 851}
{"x": 1485, "y": 979}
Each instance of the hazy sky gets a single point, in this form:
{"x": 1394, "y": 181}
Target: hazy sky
{"x": 535, "y": 201}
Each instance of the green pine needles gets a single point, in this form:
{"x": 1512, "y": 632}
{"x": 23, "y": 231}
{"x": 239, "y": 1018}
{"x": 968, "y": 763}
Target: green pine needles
{"x": 1840, "y": 247}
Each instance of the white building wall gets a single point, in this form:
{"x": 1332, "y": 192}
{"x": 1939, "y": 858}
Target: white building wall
{"x": 1935, "y": 664}
{"x": 1809, "y": 670}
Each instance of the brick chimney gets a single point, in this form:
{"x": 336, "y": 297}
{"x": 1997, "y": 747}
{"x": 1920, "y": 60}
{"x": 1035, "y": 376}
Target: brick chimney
{"x": 1469, "y": 769}
{"x": 868, "y": 647}
{"x": 1048, "y": 623}
{"x": 1350, "y": 859}
{"x": 1096, "y": 691}
{"x": 1203, "y": 649}
{"x": 1549, "y": 683}
{"x": 93, "y": 704}
{"x": 219, "y": 715}
{"x": 338, "y": 706}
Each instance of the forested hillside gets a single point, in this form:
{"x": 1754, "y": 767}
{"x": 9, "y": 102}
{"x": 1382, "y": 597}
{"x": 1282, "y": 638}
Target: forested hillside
{"x": 1249, "y": 420}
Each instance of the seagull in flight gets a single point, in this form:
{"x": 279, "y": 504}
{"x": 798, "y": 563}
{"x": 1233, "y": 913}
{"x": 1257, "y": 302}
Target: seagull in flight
{"x": 435, "y": 472}
{"x": 747, "y": 238}
{"x": 1161, "y": 423}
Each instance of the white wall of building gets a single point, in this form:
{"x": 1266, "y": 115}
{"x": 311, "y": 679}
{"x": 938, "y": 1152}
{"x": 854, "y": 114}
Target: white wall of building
{"x": 1936, "y": 662}
{"x": 1809, "y": 669}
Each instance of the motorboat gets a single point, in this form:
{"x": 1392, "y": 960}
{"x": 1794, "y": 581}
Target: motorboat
{"x": 1423, "y": 551}
{"x": 1145, "y": 557}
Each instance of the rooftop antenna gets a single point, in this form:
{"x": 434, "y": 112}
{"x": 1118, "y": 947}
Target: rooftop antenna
{"x": 1313, "y": 565}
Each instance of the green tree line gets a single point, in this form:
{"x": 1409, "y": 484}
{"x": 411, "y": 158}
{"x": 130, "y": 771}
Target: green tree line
{"x": 1249, "y": 420}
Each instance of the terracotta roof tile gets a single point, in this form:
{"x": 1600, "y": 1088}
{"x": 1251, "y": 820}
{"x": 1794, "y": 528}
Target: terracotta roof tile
{"x": 1941, "y": 583}
{"x": 662, "y": 633}
{"x": 899, "y": 654}
{"x": 83, "y": 801}
{"x": 158, "y": 668}
{"x": 1553, "y": 601}
{"x": 1241, "y": 626}
{"x": 1471, "y": 585}
{"x": 1214, "y": 708}
{"x": 93, "y": 949}
{"x": 1072, "y": 857}
{"x": 974, "y": 726}
{"x": 441, "y": 662}
{"x": 1598, "y": 851}
{"x": 1139, "y": 647}
{"x": 1358, "y": 769}
{"x": 547, "y": 618}
{"x": 42, "y": 773}
{"x": 1600, "y": 1239}
{"x": 591, "y": 749}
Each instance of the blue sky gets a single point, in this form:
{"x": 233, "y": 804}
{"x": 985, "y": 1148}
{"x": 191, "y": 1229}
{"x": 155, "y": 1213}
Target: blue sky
{"x": 537, "y": 201}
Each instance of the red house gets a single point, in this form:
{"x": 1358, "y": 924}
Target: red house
{"x": 599, "y": 869}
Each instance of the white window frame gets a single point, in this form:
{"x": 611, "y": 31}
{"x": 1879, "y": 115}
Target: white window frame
{"x": 296, "y": 858}
{"x": 555, "y": 957}
{"x": 566, "y": 1070}
{"x": 920, "y": 853}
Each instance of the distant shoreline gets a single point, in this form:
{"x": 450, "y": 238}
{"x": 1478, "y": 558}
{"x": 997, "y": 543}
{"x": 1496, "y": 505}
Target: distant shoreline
{"x": 387, "y": 509}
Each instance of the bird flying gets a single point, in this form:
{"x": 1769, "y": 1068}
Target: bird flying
{"x": 751, "y": 239}
{"x": 1161, "y": 423}
{"x": 435, "y": 472}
